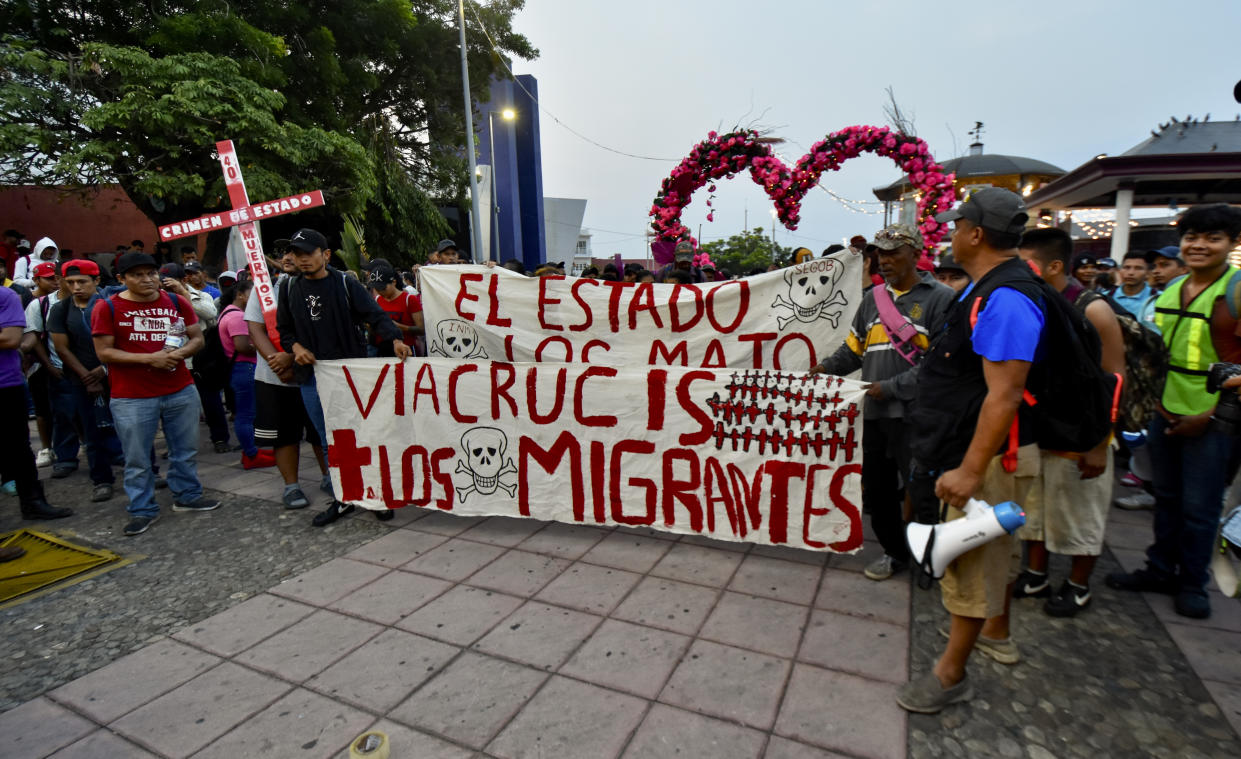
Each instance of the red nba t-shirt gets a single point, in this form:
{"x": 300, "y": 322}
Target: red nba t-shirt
{"x": 142, "y": 328}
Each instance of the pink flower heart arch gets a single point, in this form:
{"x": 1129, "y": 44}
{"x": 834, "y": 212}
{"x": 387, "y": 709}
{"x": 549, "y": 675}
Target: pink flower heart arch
{"x": 724, "y": 156}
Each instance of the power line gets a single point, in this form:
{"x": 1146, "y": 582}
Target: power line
{"x": 543, "y": 108}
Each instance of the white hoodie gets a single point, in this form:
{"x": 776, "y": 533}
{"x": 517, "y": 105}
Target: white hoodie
{"x": 21, "y": 270}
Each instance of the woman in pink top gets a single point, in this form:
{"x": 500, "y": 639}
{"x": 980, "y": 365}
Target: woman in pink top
{"x": 235, "y": 340}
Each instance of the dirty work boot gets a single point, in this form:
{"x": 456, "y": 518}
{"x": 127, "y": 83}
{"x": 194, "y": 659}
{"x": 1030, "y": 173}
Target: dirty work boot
{"x": 35, "y": 506}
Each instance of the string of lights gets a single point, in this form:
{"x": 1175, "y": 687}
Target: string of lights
{"x": 504, "y": 62}
{"x": 847, "y": 203}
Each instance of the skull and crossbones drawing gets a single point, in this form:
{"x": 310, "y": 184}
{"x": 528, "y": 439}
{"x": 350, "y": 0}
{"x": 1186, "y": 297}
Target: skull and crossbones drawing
{"x": 457, "y": 339}
{"x": 812, "y": 294}
{"x": 484, "y": 449}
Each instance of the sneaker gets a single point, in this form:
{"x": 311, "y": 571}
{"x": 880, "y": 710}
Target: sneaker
{"x": 331, "y": 513}
{"x": 1142, "y": 581}
{"x": 1136, "y": 502}
{"x": 1069, "y": 600}
{"x": 264, "y": 458}
{"x": 296, "y": 499}
{"x": 387, "y": 515}
{"x": 61, "y": 471}
{"x": 1000, "y": 650}
{"x": 1195, "y": 604}
{"x": 102, "y": 492}
{"x": 927, "y": 695}
{"x": 222, "y": 446}
{"x": 884, "y": 567}
{"x": 202, "y": 504}
{"x": 160, "y": 482}
{"x": 1032, "y": 585}
{"x": 44, "y": 458}
{"x": 1130, "y": 480}
{"x": 139, "y": 525}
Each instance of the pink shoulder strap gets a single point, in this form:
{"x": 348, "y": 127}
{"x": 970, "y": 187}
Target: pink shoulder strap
{"x": 901, "y": 331}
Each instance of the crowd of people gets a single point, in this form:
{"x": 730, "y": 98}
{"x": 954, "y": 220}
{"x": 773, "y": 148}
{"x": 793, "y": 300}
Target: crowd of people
{"x": 960, "y": 364}
{"x": 954, "y": 362}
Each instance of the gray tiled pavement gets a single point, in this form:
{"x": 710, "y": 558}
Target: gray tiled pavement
{"x": 512, "y": 638}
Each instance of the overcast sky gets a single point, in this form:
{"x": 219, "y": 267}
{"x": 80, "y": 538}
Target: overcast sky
{"x": 1058, "y": 81}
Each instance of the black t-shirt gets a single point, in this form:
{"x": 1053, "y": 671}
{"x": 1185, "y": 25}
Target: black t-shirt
{"x": 319, "y": 295}
{"x": 65, "y": 318}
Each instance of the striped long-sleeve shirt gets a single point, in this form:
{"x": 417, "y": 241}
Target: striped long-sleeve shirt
{"x": 867, "y": 347}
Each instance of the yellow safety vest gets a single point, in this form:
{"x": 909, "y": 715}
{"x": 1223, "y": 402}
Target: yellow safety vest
{"x": 1187, "y": 333}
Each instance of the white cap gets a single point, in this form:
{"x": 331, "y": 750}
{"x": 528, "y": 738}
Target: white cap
{"x": 230, "y": 274}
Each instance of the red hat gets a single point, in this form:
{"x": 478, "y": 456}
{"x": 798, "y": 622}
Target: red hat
{"x": 79, "y": 266}
{"x": 45, "y": 269}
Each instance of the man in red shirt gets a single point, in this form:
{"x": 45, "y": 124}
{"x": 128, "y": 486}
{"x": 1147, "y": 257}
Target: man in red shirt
{"x": 403, "y": 309}
{"x": 144, "y": 334}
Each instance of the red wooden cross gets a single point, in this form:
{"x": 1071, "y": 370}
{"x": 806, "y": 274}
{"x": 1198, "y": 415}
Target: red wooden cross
{"x": 243, "y": 215}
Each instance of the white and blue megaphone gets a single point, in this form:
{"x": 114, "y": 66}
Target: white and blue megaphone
{"x": 934, "y": 546}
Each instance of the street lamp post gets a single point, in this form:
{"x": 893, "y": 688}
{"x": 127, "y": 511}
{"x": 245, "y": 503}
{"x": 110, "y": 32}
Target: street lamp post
{"x": 476, "y": 227}
{"x": 508, "y": 114}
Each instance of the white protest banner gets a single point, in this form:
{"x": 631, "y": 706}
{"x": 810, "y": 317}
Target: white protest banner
{"x": 737, "y": 454}
{"x": 786, "y": 319}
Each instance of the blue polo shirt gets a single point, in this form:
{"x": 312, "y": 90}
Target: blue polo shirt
{"x": 1133, "y": 303}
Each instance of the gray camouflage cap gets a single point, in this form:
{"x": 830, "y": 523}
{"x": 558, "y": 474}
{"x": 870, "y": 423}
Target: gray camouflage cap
{"x": 894, "y": 236}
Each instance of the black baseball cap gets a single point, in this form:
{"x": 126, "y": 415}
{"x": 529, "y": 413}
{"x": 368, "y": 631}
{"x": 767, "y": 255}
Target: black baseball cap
{"x": 280, "y": 245}
{"x": 382, "y": 275}
{"x": 133, "y": 260}
{"x": 993, "y": 208}
{"x": 175, "y": 271}
{"x": 445, "y": 245}
{"x": 948, "y": 262}
{"x": 307, "y": 240}
{"x": 1084, "y": 259}
{"x": 193, "y": 266}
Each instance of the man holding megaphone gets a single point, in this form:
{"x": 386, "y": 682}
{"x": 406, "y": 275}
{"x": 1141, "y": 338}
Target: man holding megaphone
{"x": 970, "y": 387}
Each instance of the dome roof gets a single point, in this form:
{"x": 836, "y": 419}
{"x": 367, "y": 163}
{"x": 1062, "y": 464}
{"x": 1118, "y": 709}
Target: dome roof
{"x": 977, "y": 165}
{"x": 994, "y": 164}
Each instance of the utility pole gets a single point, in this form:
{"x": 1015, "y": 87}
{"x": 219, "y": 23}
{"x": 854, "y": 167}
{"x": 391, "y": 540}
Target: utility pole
{"x": 476, "y": 243}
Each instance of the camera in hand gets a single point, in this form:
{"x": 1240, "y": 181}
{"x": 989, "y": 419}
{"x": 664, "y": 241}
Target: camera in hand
{"x": 1228, "y": 410}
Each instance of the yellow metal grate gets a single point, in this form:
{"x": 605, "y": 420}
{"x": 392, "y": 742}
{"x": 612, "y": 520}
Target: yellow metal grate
{"x": 49, "y": 560}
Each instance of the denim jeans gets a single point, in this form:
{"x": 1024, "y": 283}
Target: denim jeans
{"x": 1190, "y": 475}
{"x": 242, "y": 382}
{"x": 42, "y": 390}
{"x": 136, "y": 420}
{"x": 102, "y": 445}
{"x": 314, "y": 410}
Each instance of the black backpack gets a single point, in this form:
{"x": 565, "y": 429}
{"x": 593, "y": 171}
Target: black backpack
{"x": 1069, "y": 401}
{"x": 211, "y": 364}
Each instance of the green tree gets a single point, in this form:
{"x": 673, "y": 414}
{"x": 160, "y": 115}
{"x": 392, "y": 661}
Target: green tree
{"x": 747, "y": 251}
{"x": 359, "y": 97}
